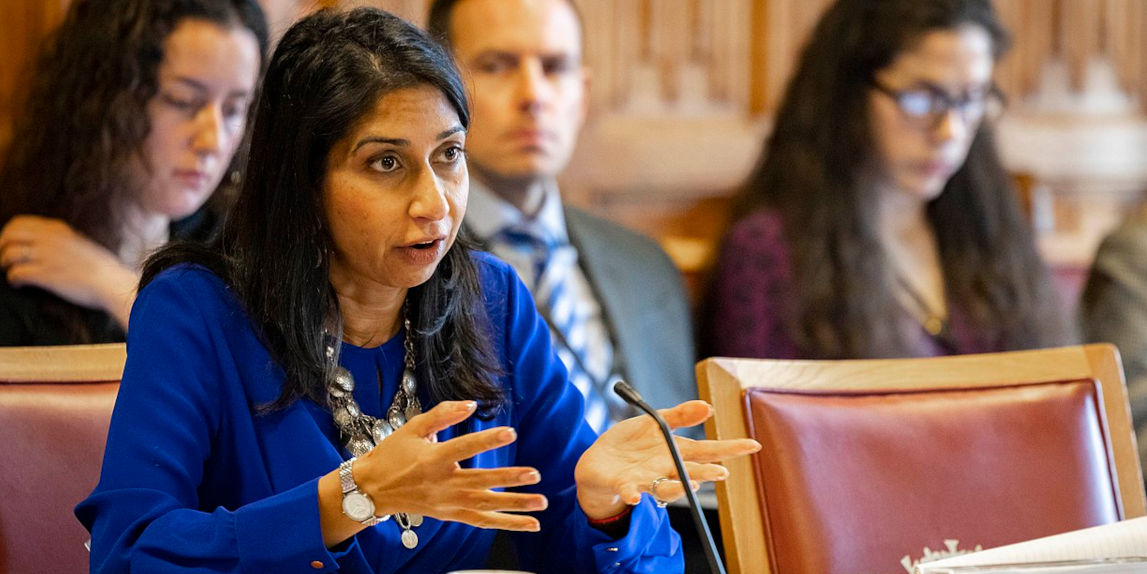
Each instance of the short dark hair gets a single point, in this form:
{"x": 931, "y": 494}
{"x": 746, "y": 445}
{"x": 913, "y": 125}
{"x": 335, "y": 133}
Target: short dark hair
{"x": 328, "y": 71}
{"x": 91, "y": 83}
{"x": 811, "y": 172}
{"x": 440, "y": 12}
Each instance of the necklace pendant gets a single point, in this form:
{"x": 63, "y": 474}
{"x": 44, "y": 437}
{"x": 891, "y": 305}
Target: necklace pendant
{"x": 380, "y": 430}
{"x": 343, "y": 418}
{"x": 359, "y": 446}
{"x": 395, "y": 417}
{"x": 409, "y": 384}
{"x": 409, "y": 539}
{"x": 412, "y": 411}
{"x": 415, "y": 520}
{"x": 343, "y": 380}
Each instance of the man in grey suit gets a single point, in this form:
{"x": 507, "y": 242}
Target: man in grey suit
{"x": 1114, "y": 310}
{"x": 615, "y": 303}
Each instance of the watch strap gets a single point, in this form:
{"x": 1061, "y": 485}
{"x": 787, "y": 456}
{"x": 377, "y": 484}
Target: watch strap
{"x": 346, "y": 477}
{"x": 349, "y": 486}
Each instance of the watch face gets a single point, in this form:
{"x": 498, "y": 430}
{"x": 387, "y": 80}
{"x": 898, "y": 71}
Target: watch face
{"x": 358, "y": 506}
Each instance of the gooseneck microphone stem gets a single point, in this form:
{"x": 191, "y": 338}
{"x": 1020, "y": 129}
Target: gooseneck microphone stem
{"x": 631, "y": 396}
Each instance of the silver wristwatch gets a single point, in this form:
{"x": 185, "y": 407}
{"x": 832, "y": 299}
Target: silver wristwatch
{"x": 357, "y": 504}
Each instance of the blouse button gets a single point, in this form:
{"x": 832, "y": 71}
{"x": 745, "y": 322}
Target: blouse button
{"x": 316, "y": 564}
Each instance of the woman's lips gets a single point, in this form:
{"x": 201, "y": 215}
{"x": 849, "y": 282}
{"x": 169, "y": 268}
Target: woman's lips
{"x": 530, "y": 137}
{"x": 424, "y": 253}
{"x": 192, "y": 178}
{"x": 936, "y": 168}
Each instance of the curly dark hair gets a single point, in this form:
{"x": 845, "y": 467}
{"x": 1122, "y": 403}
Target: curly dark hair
{"x": 82, "y": 118}
{"x": 328, "y": 71}
{"x": 811, "y": 173}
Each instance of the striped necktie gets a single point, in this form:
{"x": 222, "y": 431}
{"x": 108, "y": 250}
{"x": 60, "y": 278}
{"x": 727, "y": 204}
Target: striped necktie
{"x": 588, "y": 360}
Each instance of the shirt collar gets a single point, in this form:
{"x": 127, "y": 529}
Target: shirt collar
{"x": 487, "y": 214}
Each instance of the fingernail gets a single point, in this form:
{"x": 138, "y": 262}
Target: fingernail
{"x": 535, "y": 527}
{"x": 466, "y": 406}
{"x": 507, "y": 434}
{"x": 541, "y": 504}
{"x": 531, "y": 477}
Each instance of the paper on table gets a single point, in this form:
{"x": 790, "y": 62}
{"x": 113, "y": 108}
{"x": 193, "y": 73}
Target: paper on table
{"x": 1126, "y": 539}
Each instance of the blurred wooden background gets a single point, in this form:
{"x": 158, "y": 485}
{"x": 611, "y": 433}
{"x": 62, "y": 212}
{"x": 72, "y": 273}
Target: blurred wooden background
{"x": 682, "y": 93}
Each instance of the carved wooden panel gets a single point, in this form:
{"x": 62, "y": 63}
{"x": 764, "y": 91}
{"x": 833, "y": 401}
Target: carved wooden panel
{"x": 682, "y": 89}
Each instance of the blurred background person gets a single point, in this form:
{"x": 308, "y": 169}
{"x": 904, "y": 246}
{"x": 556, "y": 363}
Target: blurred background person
{"x": 1114, "y": 310}
{"x": 878, "y": 221}
{"x": 614, "y": 301}
{"x": 131, "y": 121}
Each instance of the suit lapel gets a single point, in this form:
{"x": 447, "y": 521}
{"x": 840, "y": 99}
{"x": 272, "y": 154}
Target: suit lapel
{"x": 602, "y": 269}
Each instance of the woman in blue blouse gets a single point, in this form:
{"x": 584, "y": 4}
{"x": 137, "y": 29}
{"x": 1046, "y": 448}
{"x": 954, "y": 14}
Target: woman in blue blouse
{"x": 335, "y": 306}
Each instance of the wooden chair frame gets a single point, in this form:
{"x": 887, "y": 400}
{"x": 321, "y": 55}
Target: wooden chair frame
{"x": 64, "y": 364}
{"x": 722, "y": 382}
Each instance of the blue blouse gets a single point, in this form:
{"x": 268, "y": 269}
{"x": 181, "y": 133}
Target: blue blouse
{"x": 194, "y": 480}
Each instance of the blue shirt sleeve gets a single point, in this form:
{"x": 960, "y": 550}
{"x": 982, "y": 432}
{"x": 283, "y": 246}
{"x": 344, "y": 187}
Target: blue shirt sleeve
{"x": 145, "y": 514}
{"x": 552, "y": 436}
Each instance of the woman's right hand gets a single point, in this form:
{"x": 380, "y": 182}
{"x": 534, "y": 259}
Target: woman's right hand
{"x": 411, "y": 472}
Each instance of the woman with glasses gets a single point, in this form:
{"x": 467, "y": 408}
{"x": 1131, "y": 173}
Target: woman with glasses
{"x": 878, "y": 221}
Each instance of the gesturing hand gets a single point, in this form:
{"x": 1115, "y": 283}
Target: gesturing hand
{"x": 630, "y": 456}
{"x": 410, "y": 472}
{"x": 49, "y": 254}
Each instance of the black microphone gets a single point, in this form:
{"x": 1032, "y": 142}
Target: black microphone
{"x": 631, "y": 396}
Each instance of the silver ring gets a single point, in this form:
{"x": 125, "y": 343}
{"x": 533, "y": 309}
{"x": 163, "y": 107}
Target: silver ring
{"x": 25, "y": 254}
{"x": 661, "y": 503}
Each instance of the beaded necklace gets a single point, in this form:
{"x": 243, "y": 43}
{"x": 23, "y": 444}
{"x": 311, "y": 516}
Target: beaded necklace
{"x": 361, "y": 432}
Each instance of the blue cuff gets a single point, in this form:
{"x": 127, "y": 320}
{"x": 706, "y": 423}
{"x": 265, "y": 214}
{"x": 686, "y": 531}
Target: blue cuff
{"x": 282, "y": 534}
{"x": 651, "y": 545}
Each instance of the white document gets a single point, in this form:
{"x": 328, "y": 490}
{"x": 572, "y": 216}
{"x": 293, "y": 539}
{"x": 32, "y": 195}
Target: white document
{"x": 1120, "y": 547}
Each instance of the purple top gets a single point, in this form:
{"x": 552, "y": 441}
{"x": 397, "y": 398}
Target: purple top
{"x": 752, "y": 292}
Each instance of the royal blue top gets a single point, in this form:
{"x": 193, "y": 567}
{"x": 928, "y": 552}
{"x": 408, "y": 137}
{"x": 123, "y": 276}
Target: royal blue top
{"x": 195, "y": 480}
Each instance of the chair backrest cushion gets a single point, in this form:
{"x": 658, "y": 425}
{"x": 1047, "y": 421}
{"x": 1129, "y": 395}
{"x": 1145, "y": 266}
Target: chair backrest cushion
{"x": 51, "y": 446}
{"x": 865, "y": 481}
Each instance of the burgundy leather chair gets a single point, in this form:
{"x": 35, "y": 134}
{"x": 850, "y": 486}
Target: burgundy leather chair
{"x": 55, "y": 406}
{"x": 869, "y": 466}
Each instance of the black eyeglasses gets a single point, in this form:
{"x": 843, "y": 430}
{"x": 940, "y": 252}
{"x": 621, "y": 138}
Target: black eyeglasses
{"x": 928, "y": 106}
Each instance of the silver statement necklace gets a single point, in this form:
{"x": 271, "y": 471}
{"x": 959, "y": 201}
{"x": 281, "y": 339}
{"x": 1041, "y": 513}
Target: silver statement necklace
{"x": 360, "y": 432}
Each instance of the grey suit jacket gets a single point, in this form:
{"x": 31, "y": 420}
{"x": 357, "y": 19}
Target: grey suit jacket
{"x": 646, "y": 308}
{"x": 1114, "y": 310}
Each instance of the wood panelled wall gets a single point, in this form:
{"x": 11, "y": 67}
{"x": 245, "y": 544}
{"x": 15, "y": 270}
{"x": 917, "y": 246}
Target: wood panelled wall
{"x": 682, "y": 89}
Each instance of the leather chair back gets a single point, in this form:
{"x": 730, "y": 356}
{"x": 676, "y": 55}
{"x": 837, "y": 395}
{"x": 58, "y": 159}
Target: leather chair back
{"x": 55, "y": 406}
{"x": 870, "y": 466}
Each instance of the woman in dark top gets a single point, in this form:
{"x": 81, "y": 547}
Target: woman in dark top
{"x": 879, "y": 221}
{"x": 131, "y": 121}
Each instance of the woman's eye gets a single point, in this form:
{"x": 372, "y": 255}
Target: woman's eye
{"x": 234, "y": 110}
{"x": 385, "y": 164}
{"x": 178, "y": 103}
{"x": 453, "y": 153}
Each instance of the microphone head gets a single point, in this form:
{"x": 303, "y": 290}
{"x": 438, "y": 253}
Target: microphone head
{"x": 627, "y": 392}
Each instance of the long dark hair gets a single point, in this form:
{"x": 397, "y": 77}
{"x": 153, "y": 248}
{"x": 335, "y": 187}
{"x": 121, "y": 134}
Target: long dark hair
{"x": 811, "y": 172}
{"x": 329, "y": 70}
{"x": 83, "y": 116}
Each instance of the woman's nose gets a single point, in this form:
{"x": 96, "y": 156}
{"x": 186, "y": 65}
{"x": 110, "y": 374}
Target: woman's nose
{"x": 209, "y": 130}
{"x": 430, "y": 198}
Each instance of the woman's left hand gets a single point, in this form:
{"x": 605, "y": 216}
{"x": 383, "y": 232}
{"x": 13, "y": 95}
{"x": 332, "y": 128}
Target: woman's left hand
{"x": 626, "y": 460}
{"x": 47, "y": 253}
